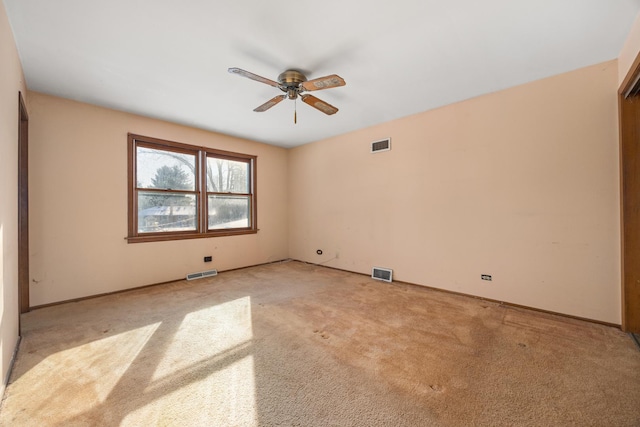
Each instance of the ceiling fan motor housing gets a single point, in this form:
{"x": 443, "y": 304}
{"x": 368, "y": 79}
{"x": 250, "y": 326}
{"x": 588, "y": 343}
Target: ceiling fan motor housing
{"x": 290, "y": 82}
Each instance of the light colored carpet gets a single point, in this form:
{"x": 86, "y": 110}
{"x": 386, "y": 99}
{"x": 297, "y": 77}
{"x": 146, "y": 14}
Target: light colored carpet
{"x": 292, "y": 344}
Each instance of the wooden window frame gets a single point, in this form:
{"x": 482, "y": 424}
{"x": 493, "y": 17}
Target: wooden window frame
{"x": 201, "y": 192}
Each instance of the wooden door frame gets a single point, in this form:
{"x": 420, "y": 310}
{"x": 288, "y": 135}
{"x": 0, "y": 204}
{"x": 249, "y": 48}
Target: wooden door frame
{"x": 23, "y": 206}
{"x": 629, "y": 121}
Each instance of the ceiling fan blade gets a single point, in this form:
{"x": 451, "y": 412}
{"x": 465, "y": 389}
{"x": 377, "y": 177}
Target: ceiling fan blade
{"x": 326, "y": 82}
{"x": 270, "y": 103}
{"x": 252, "y": 76}
{"x": 318, "y": 104}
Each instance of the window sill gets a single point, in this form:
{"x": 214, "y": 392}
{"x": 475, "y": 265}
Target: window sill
{"x": 187, "y": 236}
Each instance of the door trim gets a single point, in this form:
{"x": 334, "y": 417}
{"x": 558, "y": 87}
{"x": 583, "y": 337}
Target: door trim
{"x": 629, "y": 121}
{"x": 23, "y": 206}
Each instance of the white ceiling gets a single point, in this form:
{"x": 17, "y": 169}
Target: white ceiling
{"x": 169, "y": 59}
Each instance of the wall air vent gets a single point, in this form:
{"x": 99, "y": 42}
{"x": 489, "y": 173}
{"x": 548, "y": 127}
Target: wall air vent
{"x": 382, "y": 145}
{"x": 200, "y": 275}
{"x": 385, "y": 274}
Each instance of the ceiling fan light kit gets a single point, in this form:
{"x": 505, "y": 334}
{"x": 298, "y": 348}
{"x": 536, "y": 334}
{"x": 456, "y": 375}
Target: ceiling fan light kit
{"x": 294, "y": 83}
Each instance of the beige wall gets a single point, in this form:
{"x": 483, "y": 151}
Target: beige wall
{"x": 521, "y": 184}
{"x": 79, "y": 204}
{"x": 629, "y": 51}
{"x": 11, "y": 82}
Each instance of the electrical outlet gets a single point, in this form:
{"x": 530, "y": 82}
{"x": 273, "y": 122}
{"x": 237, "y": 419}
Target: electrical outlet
{"x": 485, "y": 277}
{"x": 208, "y": 258}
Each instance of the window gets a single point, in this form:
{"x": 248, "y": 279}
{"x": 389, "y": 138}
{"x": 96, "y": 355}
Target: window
{"x": 179, "y": 191}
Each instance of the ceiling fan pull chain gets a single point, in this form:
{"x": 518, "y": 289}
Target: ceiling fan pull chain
{"x": 295, "y": 111}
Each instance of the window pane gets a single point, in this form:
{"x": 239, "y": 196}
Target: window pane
{"x": 229, "y": 212}
{"x": 162, "y": 212}
{"x": 165, "y": 169}
{"x": 227, "y": 176}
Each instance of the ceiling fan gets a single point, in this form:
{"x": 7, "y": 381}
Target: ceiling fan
{"x": 294, "y": 84}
